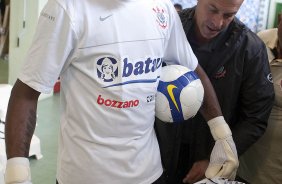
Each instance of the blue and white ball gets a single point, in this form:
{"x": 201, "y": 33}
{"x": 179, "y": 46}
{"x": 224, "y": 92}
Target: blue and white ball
{"x": 180, "y": 94}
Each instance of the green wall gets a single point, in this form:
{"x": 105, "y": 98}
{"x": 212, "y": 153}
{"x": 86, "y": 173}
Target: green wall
{"x": 278, "y": 9}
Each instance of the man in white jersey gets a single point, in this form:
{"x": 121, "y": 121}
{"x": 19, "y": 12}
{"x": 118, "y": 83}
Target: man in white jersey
{"x": 106, "y": 131}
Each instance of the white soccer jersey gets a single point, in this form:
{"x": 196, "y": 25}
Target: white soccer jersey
{"x": 109, "y": 55}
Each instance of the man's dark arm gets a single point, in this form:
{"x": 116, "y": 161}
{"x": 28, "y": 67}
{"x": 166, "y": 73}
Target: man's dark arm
{"x": 20, "y": 120}
{"x": 210, "y": 107}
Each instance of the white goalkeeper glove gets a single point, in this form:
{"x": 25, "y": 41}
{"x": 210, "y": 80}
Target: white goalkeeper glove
{"x": 223, "y": 160}
{"x": 17, "y": 171}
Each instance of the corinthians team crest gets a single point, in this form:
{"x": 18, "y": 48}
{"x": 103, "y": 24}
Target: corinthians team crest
{"x": 161, "y": 18}
{"x": 107, "y": 69}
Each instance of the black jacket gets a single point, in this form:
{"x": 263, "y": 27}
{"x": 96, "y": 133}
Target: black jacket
{"x": 238, "y": 68}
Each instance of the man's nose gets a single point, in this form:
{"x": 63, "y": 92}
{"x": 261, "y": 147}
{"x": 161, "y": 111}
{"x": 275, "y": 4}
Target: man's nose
{"x": 217, "y": 21}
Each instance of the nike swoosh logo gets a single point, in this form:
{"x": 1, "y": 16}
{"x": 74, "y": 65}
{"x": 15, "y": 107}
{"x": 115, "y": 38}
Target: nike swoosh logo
{"x": 170, "y": 88}
{"x": 104, "y": 18}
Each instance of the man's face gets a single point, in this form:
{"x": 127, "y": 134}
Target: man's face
{"x": 212, "y": 16}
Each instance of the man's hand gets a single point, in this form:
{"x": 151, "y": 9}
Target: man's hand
{"x": 197, "y": 172}
{"x": 224, "y": 160}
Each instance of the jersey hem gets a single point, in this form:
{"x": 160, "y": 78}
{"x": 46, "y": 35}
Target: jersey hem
{"x": 148, "y": 181}
{"x": 153, "y": 178}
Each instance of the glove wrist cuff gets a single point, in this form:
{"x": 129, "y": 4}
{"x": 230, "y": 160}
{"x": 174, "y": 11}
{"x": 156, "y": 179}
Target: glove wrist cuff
{"x": 219, "y": 128}
{"x": 17, "y": 170}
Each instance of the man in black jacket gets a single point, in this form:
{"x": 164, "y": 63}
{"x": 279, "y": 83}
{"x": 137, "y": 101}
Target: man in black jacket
{"x": 236, "y": 62}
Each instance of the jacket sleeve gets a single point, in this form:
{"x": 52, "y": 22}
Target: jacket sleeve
{"x": 255, "y": 99}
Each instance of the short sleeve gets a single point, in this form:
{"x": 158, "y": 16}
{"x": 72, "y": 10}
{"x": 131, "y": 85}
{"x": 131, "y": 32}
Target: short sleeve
{"x": 178, "y": 49}
{"x": 52, "y": 44}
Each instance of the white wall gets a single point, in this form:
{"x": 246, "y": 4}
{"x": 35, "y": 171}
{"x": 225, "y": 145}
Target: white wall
{"x": 20, "y": 37}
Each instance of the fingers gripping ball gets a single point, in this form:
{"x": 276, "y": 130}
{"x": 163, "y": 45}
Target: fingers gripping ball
{"x": 180, "y": 94}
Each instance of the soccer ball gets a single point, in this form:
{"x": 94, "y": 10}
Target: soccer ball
{"x": 180, "y": 94}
